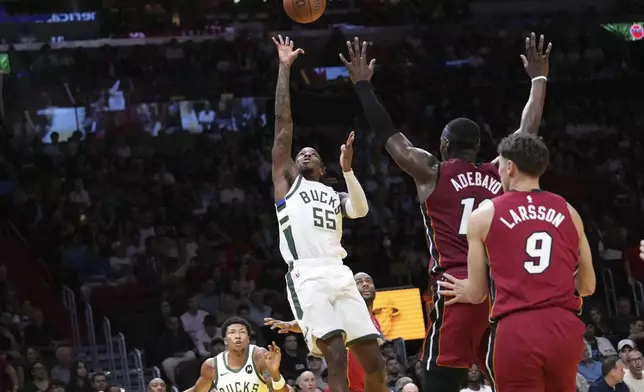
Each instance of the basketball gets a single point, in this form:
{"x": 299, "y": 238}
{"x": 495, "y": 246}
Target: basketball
{"x": 304, "y": 11}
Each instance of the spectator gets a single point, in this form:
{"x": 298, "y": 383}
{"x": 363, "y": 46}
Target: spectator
{"x": 636, "y": 332}
{"x": 624, "y": 347}
{"x": 624, "y": 319}
{"x": 57, "y": 386}
{"x": 99, "y": 382}
{"x": 8, "y": 376}
{"x": 227, "y": 308}
{"x": 476, "y": 381}
{"x": 207, "y": 336}
{"x": 79, "y": 194}
{"x": 176, "y": 346}
{"x": 39, "y": 333}
{"x": 306, "y": 382}
{"x": 387, "y": 349}
{"x": 79, "y": 381}
{"x": 293, "y": 361}
{"x": 394, "y": 371}
{"x": 633, "y": 375}
{"x": 317, "y": 366}
{"x": 405, "y": 384}
{"x": 207, "y": 299}
{"x": 156, "y": 385}
{"x": 39, "y": 381}
{"x": 602, "y": 328}
{"x": 258, "y": 310}
{"x": 32, "y": 355}
{"x": 193, "y": 319}
{"x": 613, "y": 377}
{"x": 589, "y": 368}
{"x": 62, "y": 371}
{"x": 599, "y": 347}
{"x": 582, "y": 384}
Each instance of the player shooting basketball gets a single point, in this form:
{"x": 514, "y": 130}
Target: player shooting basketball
{"x": 321, "y": 289}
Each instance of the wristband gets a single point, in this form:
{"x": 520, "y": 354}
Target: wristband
{"x": 539, "y": 78}
{"x": 279, "y": 384}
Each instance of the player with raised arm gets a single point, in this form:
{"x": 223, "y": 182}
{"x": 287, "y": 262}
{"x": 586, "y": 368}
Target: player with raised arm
{"x": 321, "y": 290}
{"x": 529, "y": 248}
{"x": 355, "y": 374}
{"x": 449, "y": 191}
{"x": 242, "y": 365}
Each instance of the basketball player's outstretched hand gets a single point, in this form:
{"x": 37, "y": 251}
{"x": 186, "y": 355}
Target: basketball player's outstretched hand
{"x": 272, "y": 358}
{"x": 283, "y": 326}
{"x": 642, "y": 250}
{"x": 536, "y": 62}
{"x": 286, "y": 50}
{"x": 346, "y": 152}
{"x": 452, "y": 287}
{"x": 358, "y": 67}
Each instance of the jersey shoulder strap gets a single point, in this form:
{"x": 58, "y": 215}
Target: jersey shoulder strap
{"x": 251, "y": 361}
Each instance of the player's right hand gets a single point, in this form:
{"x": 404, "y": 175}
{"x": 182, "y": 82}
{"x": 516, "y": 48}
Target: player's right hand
{"x": 535, "y": 62}
{"x": 642, "y": 250}
{"x": 357, "y": 65}
{"x": 285, "y": 50}
{"x": 283, "y": 326}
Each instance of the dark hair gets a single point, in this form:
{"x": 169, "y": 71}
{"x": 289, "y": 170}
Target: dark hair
{"x": 462, "y": 134}
{"x": 97, "y": 374}
{"x": 235, "y": 320}
{"x": 609, "y": 364}
{"x": 528, "y": 152}
{"x": 391, "y": 359}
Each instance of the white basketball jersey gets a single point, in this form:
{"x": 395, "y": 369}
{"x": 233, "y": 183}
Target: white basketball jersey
{"x": 244, "y": 379}
{"x": 310, "y": 222}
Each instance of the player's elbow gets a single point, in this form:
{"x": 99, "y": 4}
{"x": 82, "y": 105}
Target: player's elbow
{"x": 586, "y": 287}
{"x": 477, "y": 296}
{"x": 361, "y": 211}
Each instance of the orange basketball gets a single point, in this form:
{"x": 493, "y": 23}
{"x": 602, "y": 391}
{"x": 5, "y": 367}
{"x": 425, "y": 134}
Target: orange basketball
{"x": 304, "y": 11}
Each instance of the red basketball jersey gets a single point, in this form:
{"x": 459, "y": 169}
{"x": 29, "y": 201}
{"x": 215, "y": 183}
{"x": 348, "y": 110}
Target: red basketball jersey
{"x": 355, "y": 374}
{"x": 460, "y": 188}
{"x": 533, "y": 254}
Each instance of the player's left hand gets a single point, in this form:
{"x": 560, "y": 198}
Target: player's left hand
{"x": 346, "y": 153}
{"x": 357, "y": 65}
{"x": 272, "y": 358}
{"x": 642, "y": 250}
{"x": 454, "y": 288}
{"x": 535, "y": 62}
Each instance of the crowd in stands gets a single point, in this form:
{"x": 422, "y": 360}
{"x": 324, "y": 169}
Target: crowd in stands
{"x": 171, "y": 232}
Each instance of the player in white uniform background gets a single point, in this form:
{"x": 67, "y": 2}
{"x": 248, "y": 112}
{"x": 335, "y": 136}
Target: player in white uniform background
{"x": 242, "y": 367}
{"x": 321, "y": 290}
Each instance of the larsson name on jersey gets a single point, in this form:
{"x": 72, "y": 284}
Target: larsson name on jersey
{"x": 323, "y": 197}
{"x": 532, "y": 212}
{"x": 239, "y": 386}
{"x": 465, "y": 180}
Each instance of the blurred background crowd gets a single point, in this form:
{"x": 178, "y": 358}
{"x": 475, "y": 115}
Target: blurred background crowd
{"x": 135, "y": 170}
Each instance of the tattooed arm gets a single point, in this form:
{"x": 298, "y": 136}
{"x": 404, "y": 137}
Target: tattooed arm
{"x": 284, "y": 171}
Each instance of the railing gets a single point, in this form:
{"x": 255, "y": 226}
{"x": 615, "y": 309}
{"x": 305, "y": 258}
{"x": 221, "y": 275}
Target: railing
{"x": 109, "y": 343}
{"x": 609, "y": 292}
{"x": 91, "y": 333}
{"x": 138, "y": 363}
{"x": 638, "y": 295}
{"x": 69, "y": 301}
{"x": 122, "y": 350}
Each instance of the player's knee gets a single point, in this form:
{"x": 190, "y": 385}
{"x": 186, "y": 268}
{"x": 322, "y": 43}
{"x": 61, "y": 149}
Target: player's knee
{"x": 334, "y": 352}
